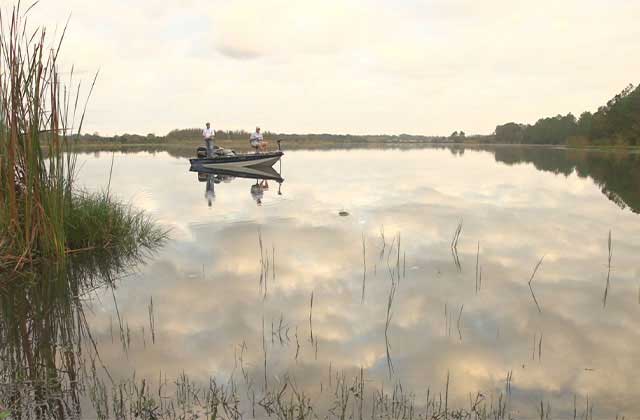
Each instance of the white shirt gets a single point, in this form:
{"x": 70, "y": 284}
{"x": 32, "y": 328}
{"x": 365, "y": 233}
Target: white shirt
{"x": 256, "y": 136}
{"x": 208, "y": 133}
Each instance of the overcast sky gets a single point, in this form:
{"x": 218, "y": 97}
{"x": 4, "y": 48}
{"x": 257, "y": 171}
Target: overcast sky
{"x": 341, "y": 66}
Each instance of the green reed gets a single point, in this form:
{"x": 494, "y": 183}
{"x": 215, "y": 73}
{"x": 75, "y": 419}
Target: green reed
{"x": 35, "y": 187}
{"x": 42, "y": 214}
{"x": 45, "y": 223}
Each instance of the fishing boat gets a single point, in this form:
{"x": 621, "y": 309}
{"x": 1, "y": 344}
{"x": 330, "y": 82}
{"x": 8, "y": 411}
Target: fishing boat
{"x": 238, "y": 160}
{"x": 228, "y": 159}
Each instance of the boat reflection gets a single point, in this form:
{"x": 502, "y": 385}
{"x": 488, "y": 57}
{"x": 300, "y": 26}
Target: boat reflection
{"x": 261, "y": 175}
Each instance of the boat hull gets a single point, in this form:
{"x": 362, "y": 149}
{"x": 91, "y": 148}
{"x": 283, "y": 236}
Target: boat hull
{"x": 238, "y": 161}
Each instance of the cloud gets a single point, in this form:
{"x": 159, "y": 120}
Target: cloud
{"x": 279, "y": 27}
{"x": 238, "y": 53}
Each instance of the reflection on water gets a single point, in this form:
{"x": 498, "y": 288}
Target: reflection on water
{"x": 616, "y": 173}
{"x": 49, "y": 360}
{"x": 261, "y": 175}
{"x": 290, "y": 293}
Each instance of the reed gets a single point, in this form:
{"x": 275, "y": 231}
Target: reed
{"x": 454, "y": 246}
{"x": 364, "y": 267}
{"x": 459, "y": 323}
{"x": 264, "y": 353}
{"x": 42, "y": 215}
{"x": 387, "y": 325}
{"x": 533, "y": 295}
{"x": 478, "y": 271}
{"x": 311, "y": 318}
{"x": 152, "y": 321}
{"x": 47, "y": 344}
{"x": 606, "y": 288}
{"x": 456, "y": 235}
{"x": 35, "y": 191}
{"x": 384, "y": 242}
{"x": 540, "y": 348}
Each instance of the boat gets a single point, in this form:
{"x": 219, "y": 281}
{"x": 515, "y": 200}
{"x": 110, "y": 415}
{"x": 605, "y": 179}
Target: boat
{"x": 228, "y": 159}
{"x": 238, "y": 160}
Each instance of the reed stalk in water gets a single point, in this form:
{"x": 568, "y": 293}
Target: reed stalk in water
{"x": 364, "y": 267}
{"x": 606, "y": 288}
{"x": 454, "y": 246}
{"x": 533, "y": 295}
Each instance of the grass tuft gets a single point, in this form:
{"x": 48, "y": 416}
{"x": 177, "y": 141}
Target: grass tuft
{"x": 97, "y": 221}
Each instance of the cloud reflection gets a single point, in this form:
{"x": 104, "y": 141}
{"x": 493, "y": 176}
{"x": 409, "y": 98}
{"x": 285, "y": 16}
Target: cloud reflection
{"x": 206, "y": 290}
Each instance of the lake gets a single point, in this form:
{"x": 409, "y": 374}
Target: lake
{"x": 451, "y": 275}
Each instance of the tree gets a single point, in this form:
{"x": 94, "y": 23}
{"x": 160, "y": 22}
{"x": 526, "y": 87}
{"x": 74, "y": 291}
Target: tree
{"x": 509, "y": 133}
{"x": 584, "y": 123}
{"x": 616, "y": 122}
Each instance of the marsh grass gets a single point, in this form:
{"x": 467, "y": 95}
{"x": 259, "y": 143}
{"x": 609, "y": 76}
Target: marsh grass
{"x": 35, "y": 191}
{"x": 58, "y": 244}
{"x": 48, "y": 355}
{"x": 42, "y": 215}
{"x": 97, "y": 221}
{"x": 348, "y": 397}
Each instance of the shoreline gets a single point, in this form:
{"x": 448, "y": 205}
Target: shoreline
{"x": 243, "y": 146}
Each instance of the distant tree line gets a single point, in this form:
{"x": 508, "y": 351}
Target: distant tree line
{"x": 195, "y": 134}
{"x": 123, "y": 138}
{"x": 616, "y": 123}
{"x": 189, "y": 134}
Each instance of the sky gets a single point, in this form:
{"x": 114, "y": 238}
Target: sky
{"x": 342, "y": 66}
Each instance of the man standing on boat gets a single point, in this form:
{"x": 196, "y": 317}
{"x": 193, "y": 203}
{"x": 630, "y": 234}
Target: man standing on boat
{"x": 209, "y": 135}
{"x": 257, "y": 141}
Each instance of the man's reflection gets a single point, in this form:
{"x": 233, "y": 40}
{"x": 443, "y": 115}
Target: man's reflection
{"x": 257, "y": 191}
{"x": 210, "y": 192}
{"x": 211, "y": 180}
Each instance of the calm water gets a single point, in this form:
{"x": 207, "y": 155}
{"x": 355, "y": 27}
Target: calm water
{"x": 477, "y": 322}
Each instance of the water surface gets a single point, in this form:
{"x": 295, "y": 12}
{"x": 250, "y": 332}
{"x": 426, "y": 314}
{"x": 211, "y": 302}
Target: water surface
{"x": 221, "y": 302}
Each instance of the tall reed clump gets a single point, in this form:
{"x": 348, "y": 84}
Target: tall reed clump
{"x": 35, "y": 190}
{"x": 41, "y": 214}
